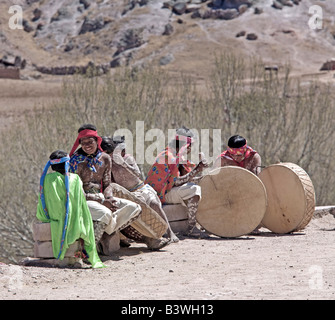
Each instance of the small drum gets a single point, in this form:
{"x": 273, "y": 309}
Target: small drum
{"x": 233, "y": 202}
{"x": 291, "y": 197}
{"x": 149, "y": 223}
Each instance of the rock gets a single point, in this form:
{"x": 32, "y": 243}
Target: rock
{"x": 92, "y": 25}
{"x": 240, "y": 34}
{"x": 242, "y": 8}
{"x": 227, "y": 14}
{"x": 37, "y": 14}
{"x": 166, "y": 59}
{"x": 69, "y": 46}
{"x": 252, "y": 36}
{"x": 288, "y": 3}
{"x": 229, "y": 4}
{"x": 277, "y": 5}
{"x": 26, "y": 26}
{"x": 179, "y": 8}
{"x": 85, "y": 3}
{"x": 132, "y": 38}
{"x": 258, "y": 10}
{"x": 235, "y": 4}
{"x": 110, "y": 243}
{"x": 192, "y": 7}
{"x": 62, "y": 13}
{"x": 168, "y": 29}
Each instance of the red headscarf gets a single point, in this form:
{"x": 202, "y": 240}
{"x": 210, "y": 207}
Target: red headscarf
{"x": 87, "y": 133}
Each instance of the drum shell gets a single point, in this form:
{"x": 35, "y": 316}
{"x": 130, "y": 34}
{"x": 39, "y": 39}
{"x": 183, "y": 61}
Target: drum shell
{"x": 233, "y": 202}
{"x": 291, "y": 197}
{"x": 149, "y": 223}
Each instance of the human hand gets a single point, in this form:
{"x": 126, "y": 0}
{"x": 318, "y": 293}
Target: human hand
{"x": 111, "y": 204}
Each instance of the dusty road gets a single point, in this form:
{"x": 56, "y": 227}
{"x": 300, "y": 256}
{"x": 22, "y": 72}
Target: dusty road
{"x": 267, "y": 266}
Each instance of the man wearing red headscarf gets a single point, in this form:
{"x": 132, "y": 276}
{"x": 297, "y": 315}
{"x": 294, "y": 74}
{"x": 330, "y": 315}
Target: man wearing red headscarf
{"x": 239, "y": 154}
{"x": 171, "y": 177}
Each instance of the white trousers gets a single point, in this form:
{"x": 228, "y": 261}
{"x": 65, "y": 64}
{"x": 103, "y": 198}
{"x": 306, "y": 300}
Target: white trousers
{"x": 128, "y": 212}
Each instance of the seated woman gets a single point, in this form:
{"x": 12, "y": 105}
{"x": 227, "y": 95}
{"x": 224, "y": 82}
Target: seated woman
{"x": 63, "y": 205}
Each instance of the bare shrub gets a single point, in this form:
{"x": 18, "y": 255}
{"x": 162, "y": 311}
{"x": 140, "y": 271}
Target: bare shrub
{"x": 283, "y": 119}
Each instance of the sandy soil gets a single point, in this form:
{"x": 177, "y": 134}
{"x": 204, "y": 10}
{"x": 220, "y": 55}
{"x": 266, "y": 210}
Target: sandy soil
{"x": 267, "y": 266}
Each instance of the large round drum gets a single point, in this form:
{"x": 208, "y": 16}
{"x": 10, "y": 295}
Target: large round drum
{"x": 149, "y": 223}
{"x": 291, "y": 197}
{"x": 233, "y": 202}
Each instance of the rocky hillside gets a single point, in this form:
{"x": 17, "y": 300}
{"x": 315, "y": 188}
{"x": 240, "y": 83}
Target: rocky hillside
{"x": 65, "y": 36}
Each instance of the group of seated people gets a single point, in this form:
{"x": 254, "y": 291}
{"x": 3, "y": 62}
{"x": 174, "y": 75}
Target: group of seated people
{"x": 77, "y": 197}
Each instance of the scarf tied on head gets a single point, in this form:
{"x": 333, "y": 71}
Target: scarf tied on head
{"x": 67, "y": 187}
{"x": 78, "y": 158}
{"x": 87, "y": 133}
{"x": 244, "y": 150}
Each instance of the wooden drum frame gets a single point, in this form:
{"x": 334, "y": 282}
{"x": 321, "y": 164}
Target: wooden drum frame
{"x": 291, "y": 197}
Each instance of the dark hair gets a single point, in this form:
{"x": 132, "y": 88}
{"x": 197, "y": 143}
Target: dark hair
{"x": 87, "y": 126}
{"x": 118, "y": 139}
{"x": 236, "y": 141}
{"x": 58, "y": 154}
{"x": 107, "y": 144}
{"x": 183, "y": 131}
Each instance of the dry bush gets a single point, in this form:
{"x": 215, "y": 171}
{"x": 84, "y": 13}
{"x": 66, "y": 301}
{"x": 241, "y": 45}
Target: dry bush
{"x": 281, "y": 118}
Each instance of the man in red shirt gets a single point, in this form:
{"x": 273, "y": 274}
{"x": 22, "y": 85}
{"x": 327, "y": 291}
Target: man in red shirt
{"x": 239, "y": 154}
{"x": 171, "y": 176}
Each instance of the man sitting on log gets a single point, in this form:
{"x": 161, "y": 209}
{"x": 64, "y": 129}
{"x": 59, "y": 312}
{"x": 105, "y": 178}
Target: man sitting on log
{"x": 239, "y": 154}
{"x": 63, "y": 205}
{"x": 126, "y": 173}
{"x": 171, "y": 177}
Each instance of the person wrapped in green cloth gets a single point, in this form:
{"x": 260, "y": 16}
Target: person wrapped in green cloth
{"x": 63, "y": 204}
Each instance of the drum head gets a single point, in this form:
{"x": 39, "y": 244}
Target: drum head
{"x": 291, "y": 198}
{"x": 233, "y": 202}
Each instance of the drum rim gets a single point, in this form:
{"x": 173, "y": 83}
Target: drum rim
{"x": 214, "y": 172}
{"x": 302, "y": 223}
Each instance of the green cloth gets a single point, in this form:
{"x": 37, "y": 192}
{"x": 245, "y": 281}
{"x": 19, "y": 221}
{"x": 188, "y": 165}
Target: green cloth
{"x": 80, "y": 225}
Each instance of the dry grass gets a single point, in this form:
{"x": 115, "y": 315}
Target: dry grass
{"x": 282, "y": 119}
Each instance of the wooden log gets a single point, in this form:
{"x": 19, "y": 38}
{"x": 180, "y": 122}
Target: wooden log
{"x": 43, "y": 249}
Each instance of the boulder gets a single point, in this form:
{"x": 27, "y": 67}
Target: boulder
{"x": 252, "y": 36}
{"x": 92, "y": 25}
{"x": 168, "y": 29}
{"x": 277, "y": 5}
{"x": 179, "y": 8}
{"x": 240, "y": 34}
{"x": 37, "y": 14}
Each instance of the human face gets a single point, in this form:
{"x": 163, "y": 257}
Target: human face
{"x": 238, "y": 158}
{"x": 89, "y": 145}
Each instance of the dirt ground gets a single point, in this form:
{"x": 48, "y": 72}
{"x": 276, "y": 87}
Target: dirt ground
{"x": 267, "y": 266}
